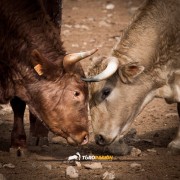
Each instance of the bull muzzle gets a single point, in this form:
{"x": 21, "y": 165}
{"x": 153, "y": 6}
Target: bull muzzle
{"x": 79, "y": 140}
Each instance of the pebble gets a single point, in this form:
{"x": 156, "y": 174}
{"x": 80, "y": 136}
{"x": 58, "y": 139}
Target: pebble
{"x": 96, "y": 165}
{"x": 92, "y": 40}
{"x": 151, "y": 150}
{"x": 109, "y": 175}
{"x": 9, "y": 165}
{"x": 48, "y": 166}
{"x": 119, "y": 148}
{"x": 75, "y": 8}
{"x": 135, "y": 165}
{"x": 78, "y": 26}
{"x": 56, "y": 139}
{"x": 135, "y": 152}
{"x": 110, "y": 6}
{"x": 103, "y": 24}
{"x": 75, "y": 45}
{"x": 66, "y": 32}
{"x": 71, "y": 172}
{"x": 171, "y": 114}
{"x": 2, "y": 177}
{"x": 78, "y": 164}
{"x": 91, "y": 19}
{"x": 67, "y": 25}
{"x": 109, "y": 15}
{"x": 132, "y": 10}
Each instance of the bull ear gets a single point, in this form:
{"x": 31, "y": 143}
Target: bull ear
{"x": 37, "y": 62}
{"x": 130, "y": 71}
{"x": 42, "y": 66}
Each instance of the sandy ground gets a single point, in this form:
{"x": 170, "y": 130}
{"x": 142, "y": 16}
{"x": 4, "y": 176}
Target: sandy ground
{"x": 88, "y": 24}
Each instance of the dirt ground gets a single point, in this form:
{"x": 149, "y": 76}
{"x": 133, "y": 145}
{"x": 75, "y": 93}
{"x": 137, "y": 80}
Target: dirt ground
{"x": 88, "y": 24}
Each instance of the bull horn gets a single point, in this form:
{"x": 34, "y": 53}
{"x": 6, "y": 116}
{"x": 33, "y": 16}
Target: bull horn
{"x": 108, "y": 72}
{"x": 71, "y": 59}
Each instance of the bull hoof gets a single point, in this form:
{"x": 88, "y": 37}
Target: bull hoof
{"x": 174, "y": 147}
{"x": 18, "y": 152}
{"x": 119, "y": 148}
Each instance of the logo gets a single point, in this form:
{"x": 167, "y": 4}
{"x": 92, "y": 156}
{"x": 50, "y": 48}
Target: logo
{"x": 78, "y": 157}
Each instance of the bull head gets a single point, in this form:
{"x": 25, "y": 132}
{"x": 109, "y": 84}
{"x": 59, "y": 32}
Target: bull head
{"x": 62, "y": 96}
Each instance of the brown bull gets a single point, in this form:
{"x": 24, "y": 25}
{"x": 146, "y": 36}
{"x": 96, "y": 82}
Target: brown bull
{"x": 144, "y": 65}
{"x": 35, "y": 68}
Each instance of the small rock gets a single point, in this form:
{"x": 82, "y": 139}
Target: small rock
{"x": 103, "y": 24}
{"x": 132, "y": 10}
{"x": 78, "y": 26}
{"x": 67, "y": 25}
{"x": 9, "y": 165}
{"x": 78, "y": 164}
{"x": 110, "y": 6}
{"x": 119, "y": 148}
{"x": 96, "y": 165}
{"x": 66, "y": 32}
{"x": 84, "y": 27}
{"x": 48, "y": 166}
{"x": 56, "y": 139}
{"x": 91, "y": 19}
{"x": 72, "y": 172}
{"x": 109, "y": 15}
{"x": 135, "y": 152}
{"x": 92, "y": 40}
{"x": 108, "y": 175}
{"x": 75, "y": 45}
{"x": 171, "y": 114}
{"x": 136, "y": 165}
{"x": 75, "y": 8}
{"x": 2, "y": 177}
{"x": 151, "y": 150}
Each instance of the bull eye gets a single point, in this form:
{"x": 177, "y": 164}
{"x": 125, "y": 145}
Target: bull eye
{"x": 106, "y": 92}
{"x": 76, "y": 93}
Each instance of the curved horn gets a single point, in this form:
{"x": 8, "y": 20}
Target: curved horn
{"x": 108, "y": 72}
{"x": 71, "y": 59}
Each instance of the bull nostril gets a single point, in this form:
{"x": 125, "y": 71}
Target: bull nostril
{"x": 85, "y": 140}
{"x": 100, "y": 140}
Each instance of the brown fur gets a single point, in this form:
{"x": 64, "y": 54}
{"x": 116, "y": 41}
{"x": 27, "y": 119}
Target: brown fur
{"x": 26, "y": 27}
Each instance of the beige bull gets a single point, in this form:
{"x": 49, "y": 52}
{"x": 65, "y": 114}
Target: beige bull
{"x": 144, "y": 65}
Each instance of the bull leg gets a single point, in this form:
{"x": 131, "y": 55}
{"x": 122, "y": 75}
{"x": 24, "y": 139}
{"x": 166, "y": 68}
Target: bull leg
{"x": 175, "y": 144}
{"x": 18, "y": 135}
{"x": 38, "y": 132}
